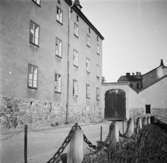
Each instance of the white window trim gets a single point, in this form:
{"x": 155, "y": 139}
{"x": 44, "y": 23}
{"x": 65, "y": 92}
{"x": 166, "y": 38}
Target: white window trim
{"x": 58, "y": 83}
{"x": 58, "y": 47}
{"x": 59, "y": 15}
{"x": 34, "y": 33}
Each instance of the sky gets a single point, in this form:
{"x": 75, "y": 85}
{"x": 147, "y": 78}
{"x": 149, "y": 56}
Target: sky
{"x": 135, "y": 33}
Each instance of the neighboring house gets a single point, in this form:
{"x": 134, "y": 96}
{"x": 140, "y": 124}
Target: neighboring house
{"x": 124, "y": 100}
{"x": 139, "y": 82}
{"x": 51, "y": 56}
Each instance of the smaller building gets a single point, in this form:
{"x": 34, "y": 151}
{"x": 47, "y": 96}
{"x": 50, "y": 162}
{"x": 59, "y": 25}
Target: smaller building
{"x": 135, "y": 94}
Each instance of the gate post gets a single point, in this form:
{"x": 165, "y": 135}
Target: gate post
{"x": 75, "y": 154}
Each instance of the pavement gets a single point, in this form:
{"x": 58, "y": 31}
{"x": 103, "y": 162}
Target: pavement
{"x": 43, "y": 143}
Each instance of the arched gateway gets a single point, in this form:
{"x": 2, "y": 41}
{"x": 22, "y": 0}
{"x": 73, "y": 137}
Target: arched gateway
{"x": 115, "y": 105}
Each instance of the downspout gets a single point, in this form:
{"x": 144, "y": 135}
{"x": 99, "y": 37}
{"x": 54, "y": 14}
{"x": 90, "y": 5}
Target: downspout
{"x": 68, "y": 66}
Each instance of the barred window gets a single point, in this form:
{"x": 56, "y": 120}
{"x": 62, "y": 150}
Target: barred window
{"x": 58, "y": 83}
{"x": 32, "y": 76}
{"x": 59, "y": 15}
{"x": 76, "y": 29}
{"x": 75, "y": 88}
{"x": 75, "y": 58}
{"x": 58, "y": 47}
{"x": 34, "y": 33}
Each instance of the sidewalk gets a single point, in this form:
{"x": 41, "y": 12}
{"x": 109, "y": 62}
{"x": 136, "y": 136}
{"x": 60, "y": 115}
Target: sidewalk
{"x": 43, "y": 143}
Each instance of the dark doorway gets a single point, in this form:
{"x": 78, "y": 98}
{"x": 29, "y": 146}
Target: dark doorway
{"x": 148, "y": 109}
{"x": 115, "y": 105}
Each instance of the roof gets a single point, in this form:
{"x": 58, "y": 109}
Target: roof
{"x": 80, "y": 13}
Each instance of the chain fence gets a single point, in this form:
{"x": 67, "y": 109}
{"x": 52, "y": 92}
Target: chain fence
{"x": 136, "y": 149}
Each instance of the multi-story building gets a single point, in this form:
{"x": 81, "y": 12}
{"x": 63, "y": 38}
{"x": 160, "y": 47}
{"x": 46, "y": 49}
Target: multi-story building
{"x": 51, "y": 57}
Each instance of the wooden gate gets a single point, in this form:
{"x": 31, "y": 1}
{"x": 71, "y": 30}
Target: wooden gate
{"x": 115, "y": 105}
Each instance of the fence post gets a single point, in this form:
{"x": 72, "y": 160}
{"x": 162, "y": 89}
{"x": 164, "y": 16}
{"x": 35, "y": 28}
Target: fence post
{"x": 101, "y": 133}
{"x": 25, "y": 142}
{"x": 75, "y": 154}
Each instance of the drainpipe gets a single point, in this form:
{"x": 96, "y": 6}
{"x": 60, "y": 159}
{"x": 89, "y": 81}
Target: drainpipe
{"x": 68, "y": 65}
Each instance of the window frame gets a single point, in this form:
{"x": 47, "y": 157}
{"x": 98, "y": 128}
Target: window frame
{"x": 57, "y": 83}
{"x": 36, "y": 2}
{"x": 75, "y": 53}
{"x": 58, "y": 49}
{"x": 31, "y": 71}
{"x": 59, "y": 15}
{"x": 88, "y": 65}
{"x": 88, "y": 91}
{"x": 75, "y": 90}
{"x": 32, "y": 35}
{"x": 88, "y": 40}
{"x": 98, "y": 49}
{"x": 76, "y": 30}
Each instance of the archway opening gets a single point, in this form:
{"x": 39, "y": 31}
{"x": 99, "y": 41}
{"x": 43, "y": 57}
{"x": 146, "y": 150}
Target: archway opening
{"x": 115, "y": 105}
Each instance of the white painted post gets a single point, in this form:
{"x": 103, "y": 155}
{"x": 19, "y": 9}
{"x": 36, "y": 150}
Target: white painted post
{"x": 131, "y": 128}
{"x": 149, "y": 120}
{"x": 144, "y": 121}
{"x": 75, "y": 154}
{"x": 140, "y": 123}
{"x": 117, "y": 131}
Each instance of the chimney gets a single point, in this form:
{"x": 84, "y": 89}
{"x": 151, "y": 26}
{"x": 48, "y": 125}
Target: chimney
{"x": 127, "y": 74}
{"x": 78, "y": 4}
{"x": 162, "y": 63}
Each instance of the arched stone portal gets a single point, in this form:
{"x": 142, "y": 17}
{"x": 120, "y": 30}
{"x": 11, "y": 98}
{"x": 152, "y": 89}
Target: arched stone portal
{"x": 115, "y": 105}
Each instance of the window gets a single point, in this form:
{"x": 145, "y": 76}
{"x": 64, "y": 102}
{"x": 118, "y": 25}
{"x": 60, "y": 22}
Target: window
{"x": 88, "y": 65}
{"x": 38, "y": 2}
{"x": 97, "y": 38}
{"x": 34, "y": 33}
{"x": 59, "y": 15}
{"x": 77, "y": 18}
{"x": 76, "y": 30}
{"x": 75, "y": 58}
{"x": 32, "y": 76}
{"x": 98, "y": 49}
{"x": 98, "y": 70}
{"x": 58, "y": 83}
{"x": 89, "y": 30}
{"x": 148, "y": 109}
{"x": 75, "y": 88}
{"x": 58, "y": 47}
{"x": 97, "y": 94}
{"x": 88, "y": 41}
{"x": 87, "y": 91}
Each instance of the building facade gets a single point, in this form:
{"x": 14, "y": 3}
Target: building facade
{"x": 51, "y": 59}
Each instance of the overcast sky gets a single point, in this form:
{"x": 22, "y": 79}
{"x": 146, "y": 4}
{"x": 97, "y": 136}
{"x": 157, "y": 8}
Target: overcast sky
{"x": 135, "y": 34}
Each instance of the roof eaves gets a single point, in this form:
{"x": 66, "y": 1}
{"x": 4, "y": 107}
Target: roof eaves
{"x": 80, "y": 13}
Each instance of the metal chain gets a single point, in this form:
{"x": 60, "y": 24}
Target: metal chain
{"x": 57, "y": 155}
{"x": 89, "y": 143}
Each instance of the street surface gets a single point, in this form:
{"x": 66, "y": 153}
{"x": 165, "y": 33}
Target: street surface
{"x": 42, "y": 144}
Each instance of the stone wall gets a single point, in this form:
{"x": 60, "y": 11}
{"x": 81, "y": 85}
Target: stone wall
{"x": 15, "y": 113}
